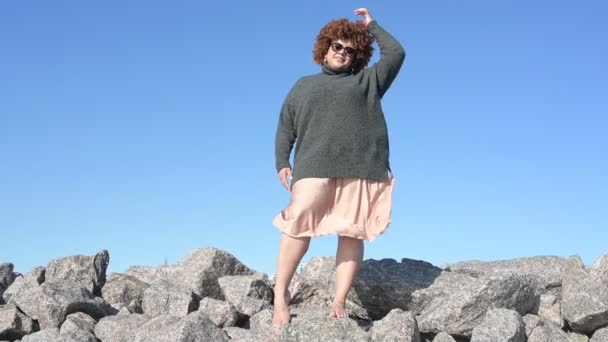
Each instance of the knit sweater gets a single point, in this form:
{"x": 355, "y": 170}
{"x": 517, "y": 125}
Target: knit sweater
{"x": 336, "y": 120}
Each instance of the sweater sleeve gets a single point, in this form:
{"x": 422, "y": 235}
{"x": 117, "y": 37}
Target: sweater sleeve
{"x": 392, "y": 56}
{"x": 286, "y": 134}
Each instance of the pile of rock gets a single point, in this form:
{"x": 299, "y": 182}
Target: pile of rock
{"x": 212, "y": 296}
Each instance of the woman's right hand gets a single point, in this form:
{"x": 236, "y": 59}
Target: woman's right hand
{"x": 283, "y": 174}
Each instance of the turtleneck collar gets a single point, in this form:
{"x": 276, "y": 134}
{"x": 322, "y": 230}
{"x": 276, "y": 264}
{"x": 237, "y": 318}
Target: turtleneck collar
{"x": 329, "y": 71}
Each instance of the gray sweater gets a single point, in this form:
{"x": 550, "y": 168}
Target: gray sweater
{"x": 336, "y": 121}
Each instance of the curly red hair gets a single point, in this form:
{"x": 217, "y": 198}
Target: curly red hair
{"x": 355, "y": 32}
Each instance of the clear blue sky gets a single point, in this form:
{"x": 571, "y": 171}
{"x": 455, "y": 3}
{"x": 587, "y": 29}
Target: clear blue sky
{"x": 147, "y": 128}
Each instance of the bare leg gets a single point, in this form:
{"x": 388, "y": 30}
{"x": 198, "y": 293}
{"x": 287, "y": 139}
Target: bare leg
{"x": 291, "y": 251}
{"x": 348, "y": 261}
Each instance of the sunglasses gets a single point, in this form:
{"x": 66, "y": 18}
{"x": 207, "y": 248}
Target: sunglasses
{"x": 337, "y": 47}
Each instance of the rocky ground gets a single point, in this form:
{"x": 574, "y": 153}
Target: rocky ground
{"x": 212, "y": 296}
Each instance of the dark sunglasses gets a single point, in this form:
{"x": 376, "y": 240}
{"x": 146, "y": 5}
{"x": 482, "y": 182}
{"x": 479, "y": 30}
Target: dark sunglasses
{"x": 337, "y": 47}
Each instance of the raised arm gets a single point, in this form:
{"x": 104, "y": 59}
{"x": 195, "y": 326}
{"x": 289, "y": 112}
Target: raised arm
{"x": 392, "y": 54}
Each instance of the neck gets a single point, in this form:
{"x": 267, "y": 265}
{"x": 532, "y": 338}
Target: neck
{"x": 330, "y": 71}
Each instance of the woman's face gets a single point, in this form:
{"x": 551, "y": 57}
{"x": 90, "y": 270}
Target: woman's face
{"x": 340, "y": 55}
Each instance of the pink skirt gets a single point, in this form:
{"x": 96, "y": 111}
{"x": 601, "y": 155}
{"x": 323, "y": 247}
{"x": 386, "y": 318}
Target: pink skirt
{"x": 354, "y": 207}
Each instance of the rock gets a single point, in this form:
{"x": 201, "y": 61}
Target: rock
{"x": 318, "y": 287}
{"x": 544, "y": 271}
{"x": 241, "y": 335}
{"x": 165, "y": 297}
{"x": 576, "y": 337}
{"x": 119, "y": 328}
{"x": 530, "y": 322}
{"x": 307, "y": 325}
{"x": 88, "y": 271}
{"x": 78, "y": 327}
{"x": 398, "y": 326}
{"x": 600, "y": 266}
{"x": 7, "y": 276}
{"x": 385, "y": 284}
{"x": 500, "y": 325}
{"x": 249, "y": 294}
{"x": 198, "y": 271}
{"x": 123, "y": 290}
{"x": 585, "y": 297}
{"x": 223, "y": 314}
{"x": 14, "y": 324}
{"x": 46, "y": 335}
{"x": 196, "y": 327}
{"x": 33, "y": 278}
{"x": 50, "y": 302}
{"x": 456, "y": 303}
{"x": 548, "y": 333}
{"x": 600, "y": 335}
{"x": 550, "y": 309}
{"x": 443, "y": 337}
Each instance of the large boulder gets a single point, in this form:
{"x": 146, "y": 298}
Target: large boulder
{"x": 456, "y": 303}
{"x": 548, "y": 333}
{"x": 397, "y": 325}
{"x": 14, "y": 324}
{"x": 32, "y": 278}
{"x": 307, "y": 324}
{"x": 198, "y": 271}
{"x": 195, "y": 327}
{"x": 165, "y": 297}
{"x": 585, "y": 297}
{"x": 88, "y": 271}
{"x": 222, "y": 313}
{"x": 383, "y": 285}
{"x": 318, "y": 286}
{"x": 121, "y": 290}
{"x": 78, "y": 327}
{"x": 443, "y": 337}
{"x": 52, "y": 301}
{"x": 249, "y": 294}
{"x": 7, "y": 276}
{"x": 119, "y": 328}
{"x": 46, "y": 335}
{"x": 545, "y": 272}
{"x": 600, "y": 335}
{"x": 500, "y": 325}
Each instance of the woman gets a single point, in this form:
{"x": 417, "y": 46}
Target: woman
{"x": 341, "y": 182}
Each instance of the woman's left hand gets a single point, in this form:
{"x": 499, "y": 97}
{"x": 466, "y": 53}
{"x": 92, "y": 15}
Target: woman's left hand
{"x": 364, "y": 13}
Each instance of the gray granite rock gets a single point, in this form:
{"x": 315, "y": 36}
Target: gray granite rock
{"x": 550, "y": 309}
{"x": 14, "y": 324}
{"x": 585, "y": 297}
{"x": 196, "y": 327}
{"x": 456, "y": 303}
{"x": 600, "y": 266}
{"x": 600, "y": 335}
{"x": 46, "y": 335}
{"x": 123, "y": 290}
{"x": 531, "y": 321}
{"x": 544, "y": 271}
{"x": 385, "y": 284}
{"x": 241, "y": 334}
{"x": 165, "y": 297}
{"x": 500, "y": 325}
{"x": 7, "y": 276}
{"x": 222, "y": 313}
{"x": 198, "y": 271}
{"x": 50, "y": 302}
{"x": 119, "y": 328}
{"x": 249, "y": 294}
{"x": 443, "y": 337}
{"x": 397, "y": 326}
{"x": 318, "y": 286}
{"x": 548, "y": 333}
{"x": 576, "y": 337}
{"x": 33, "y": 278}
{"x": 307, "y": 325}
{"x": 78, "y": 327}
{"x": 88, "y": 271}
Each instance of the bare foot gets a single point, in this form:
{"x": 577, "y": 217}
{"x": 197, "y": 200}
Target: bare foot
{"x": 281, "y": 314}
{"x": 337, "y": 310}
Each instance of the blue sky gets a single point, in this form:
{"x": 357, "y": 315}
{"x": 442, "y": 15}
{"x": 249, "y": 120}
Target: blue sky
{"x": 147, "y": 128}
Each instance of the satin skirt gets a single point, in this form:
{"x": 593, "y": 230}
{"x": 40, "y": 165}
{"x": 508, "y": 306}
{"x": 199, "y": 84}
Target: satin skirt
{"x": 353, "y": 207}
